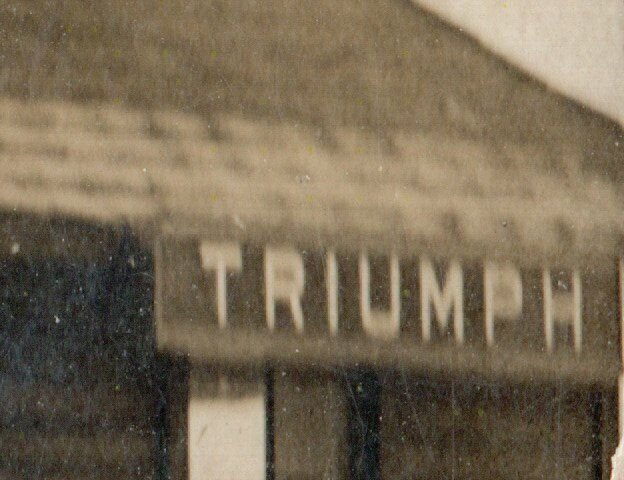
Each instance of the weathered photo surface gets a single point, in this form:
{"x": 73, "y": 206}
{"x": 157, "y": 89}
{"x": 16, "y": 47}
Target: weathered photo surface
{"x": 339, "y": 240}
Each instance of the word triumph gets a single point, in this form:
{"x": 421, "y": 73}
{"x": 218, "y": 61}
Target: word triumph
{"x": 385, "y": 299}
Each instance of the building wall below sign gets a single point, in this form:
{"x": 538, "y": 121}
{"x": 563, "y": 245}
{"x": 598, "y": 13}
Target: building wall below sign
{"x": 84, "y": 394}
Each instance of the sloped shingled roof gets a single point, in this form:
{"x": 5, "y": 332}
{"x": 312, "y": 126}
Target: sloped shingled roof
{"x": 277, "y": 182}
{"x": 320, "y": 122}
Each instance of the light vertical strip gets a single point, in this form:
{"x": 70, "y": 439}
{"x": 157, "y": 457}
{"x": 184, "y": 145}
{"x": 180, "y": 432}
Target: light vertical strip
{"x": 548, "y": 313}
{"x": 621, "y": 378}
{"x": 332, "y": 292}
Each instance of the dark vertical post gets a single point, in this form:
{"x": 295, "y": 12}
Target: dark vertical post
{"x": 177, "y": 401}
{"x": 609, "y": 428}
{"x": 364, "y": 397}
{"x": 270, "y": 422}
{"x": 161, "y": 372}
{"x": 596, "y": 434}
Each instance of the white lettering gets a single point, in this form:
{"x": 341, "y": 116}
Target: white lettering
{"x": 332, "y": 292}
{"x": 502, "y": 288}
{"x": 452, "y": 296}
{"x": 221, "y": 257}
{"x": 378, "y": 324}
{"x": 285, "y": 281}
{"x": 562, "y": 308}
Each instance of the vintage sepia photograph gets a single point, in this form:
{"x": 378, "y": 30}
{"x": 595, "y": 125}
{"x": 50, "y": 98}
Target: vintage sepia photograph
{"x": 311, "y": 239}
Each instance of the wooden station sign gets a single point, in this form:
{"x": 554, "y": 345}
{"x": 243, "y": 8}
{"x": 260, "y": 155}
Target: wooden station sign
{"x": 231, "y": 302}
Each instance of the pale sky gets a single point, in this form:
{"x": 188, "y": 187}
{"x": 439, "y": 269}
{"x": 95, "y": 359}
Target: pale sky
{"x": 575, "y": 46}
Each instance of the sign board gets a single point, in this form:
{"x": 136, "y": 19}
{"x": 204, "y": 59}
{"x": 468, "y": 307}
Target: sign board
{"x": 232, "y": 302}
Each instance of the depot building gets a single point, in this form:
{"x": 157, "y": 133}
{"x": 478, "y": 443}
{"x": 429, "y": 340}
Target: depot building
{"x": 400, "y": 259}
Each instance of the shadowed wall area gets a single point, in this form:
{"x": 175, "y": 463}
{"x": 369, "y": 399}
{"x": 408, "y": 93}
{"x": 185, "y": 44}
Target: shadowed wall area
{"x": 78, "y": 392}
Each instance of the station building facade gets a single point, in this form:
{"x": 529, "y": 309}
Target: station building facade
{"x": 283, "y": 300}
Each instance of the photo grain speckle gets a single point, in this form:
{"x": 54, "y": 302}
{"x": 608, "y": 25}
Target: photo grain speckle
{"x": 301, "y": 240}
